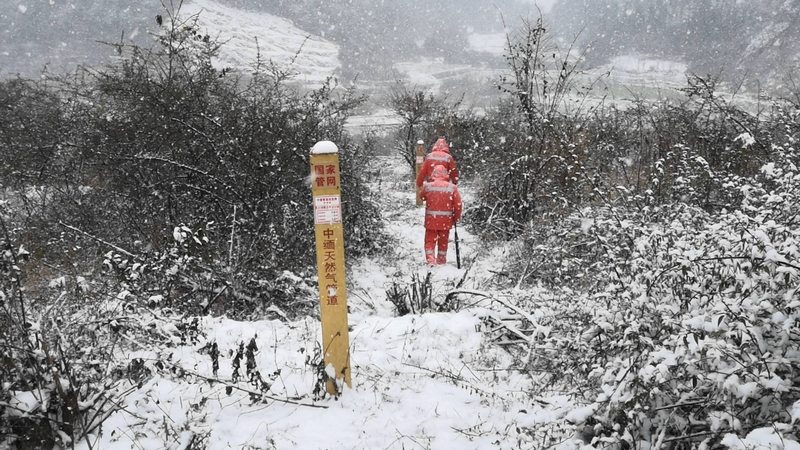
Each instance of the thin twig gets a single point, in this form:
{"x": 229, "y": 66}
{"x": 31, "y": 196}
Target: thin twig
{"x": 680, "y": 405}
{"x": 248, "y": 391}
{"x": 106, "y": 243}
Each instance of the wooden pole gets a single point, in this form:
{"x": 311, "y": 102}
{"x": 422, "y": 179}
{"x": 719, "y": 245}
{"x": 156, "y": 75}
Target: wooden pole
{"x": 326, "y": 192}
{"x": 420, "y": 158}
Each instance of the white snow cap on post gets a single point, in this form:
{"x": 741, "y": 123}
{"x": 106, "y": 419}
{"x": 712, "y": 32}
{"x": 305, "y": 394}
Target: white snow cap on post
{"x": 323, "y": 147}
{"x": 420, "y": 142}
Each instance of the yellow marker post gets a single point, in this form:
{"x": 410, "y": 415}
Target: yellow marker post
{"x": 326, "y": 191}
{"x": 420, "y": 158}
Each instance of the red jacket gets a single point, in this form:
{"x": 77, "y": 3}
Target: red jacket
{"x": 439, "y": 155}
{"x": 442, "y": 201}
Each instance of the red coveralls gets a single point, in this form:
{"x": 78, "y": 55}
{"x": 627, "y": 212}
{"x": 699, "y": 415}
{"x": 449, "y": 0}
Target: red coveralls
{"x": 442, "y": 210}
{"x": 439, "y": 155}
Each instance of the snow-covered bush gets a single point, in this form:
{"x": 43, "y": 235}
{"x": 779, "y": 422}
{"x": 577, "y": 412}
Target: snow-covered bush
{"x": 414, "y": 297}
{"x": 157, "y": 187}
{"x": 681, "y": 325}
{"x": 121, "y": 157}
{"x": 538, "y": 168}
{"x": 427, "y": 117}
{"x": 57, "y": 345}
{"x": 533, "y": 153}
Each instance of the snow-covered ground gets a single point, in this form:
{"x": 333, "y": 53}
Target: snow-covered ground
{"x": 431, "y": 73}
{"x": 432, "y": 380}
{"x": 382, "y": 118}
{"x": 429, "y": 381}
{"x": 494, "y": 43}
{"x": 635, "y": 69}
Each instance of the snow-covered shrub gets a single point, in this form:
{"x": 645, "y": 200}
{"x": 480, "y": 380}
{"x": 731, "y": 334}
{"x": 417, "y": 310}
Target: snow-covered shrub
{"x": 414, "y": 297}
{"x": 57, "y": 344}
{"x": 427, "y": 117}
{"x": 530, "y": 156}
{"x": 120, "y": 157}
{"x": 139, "y": 190}
{"x": 685, "y": 327}
{"x": 687, "y": 151}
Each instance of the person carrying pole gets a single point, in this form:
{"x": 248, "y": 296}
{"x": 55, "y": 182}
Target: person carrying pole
{"x": 439, "y": 155}
{"x": 442, "y": 210}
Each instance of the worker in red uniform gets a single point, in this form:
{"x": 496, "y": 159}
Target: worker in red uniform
{"x": 439, "y": 155}
{"x": 442, "y": 210}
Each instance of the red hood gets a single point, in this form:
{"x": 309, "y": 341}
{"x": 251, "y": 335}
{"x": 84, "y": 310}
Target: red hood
{"x": 440, "y": 173}
{"x": 441, "y": 146}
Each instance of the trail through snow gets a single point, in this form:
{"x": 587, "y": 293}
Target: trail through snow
{"x": 421, "y": 381}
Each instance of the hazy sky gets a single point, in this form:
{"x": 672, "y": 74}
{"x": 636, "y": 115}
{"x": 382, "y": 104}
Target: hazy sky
{"x": 544, "y": 5}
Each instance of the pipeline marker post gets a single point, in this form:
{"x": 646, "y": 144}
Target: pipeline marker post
{"x": 328, "y": 229}
{"x": 420, "y": 155}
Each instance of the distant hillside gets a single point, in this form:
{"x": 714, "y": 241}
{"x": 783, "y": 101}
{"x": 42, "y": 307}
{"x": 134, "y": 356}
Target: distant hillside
{"x": 246, "y": 35}
{"x": 379, "y": 41}
{"x": 758, "y": 39}
{"x": 370, "y": 36}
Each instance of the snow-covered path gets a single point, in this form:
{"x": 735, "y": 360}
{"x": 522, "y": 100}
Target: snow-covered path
{"x": 420, "y": 381}
{"x": 371, "y": 277}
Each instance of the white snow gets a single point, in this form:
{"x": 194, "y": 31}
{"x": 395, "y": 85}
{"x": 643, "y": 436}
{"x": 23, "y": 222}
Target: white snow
{"x": 643, "y": 70}
{"x": 431, "y": 73}
{"x": 423, "y": 380}
{"x": 426, "y": 380}
{"x": 324, "y": 147}
{"x": 23, "y": 403}
{"x": 747, "y": 140}
{"x": 382, "y": 118}
{"x": 494, "y": 43}
{"x": 760, "y": 438}
{"x": 246, "y": 35}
